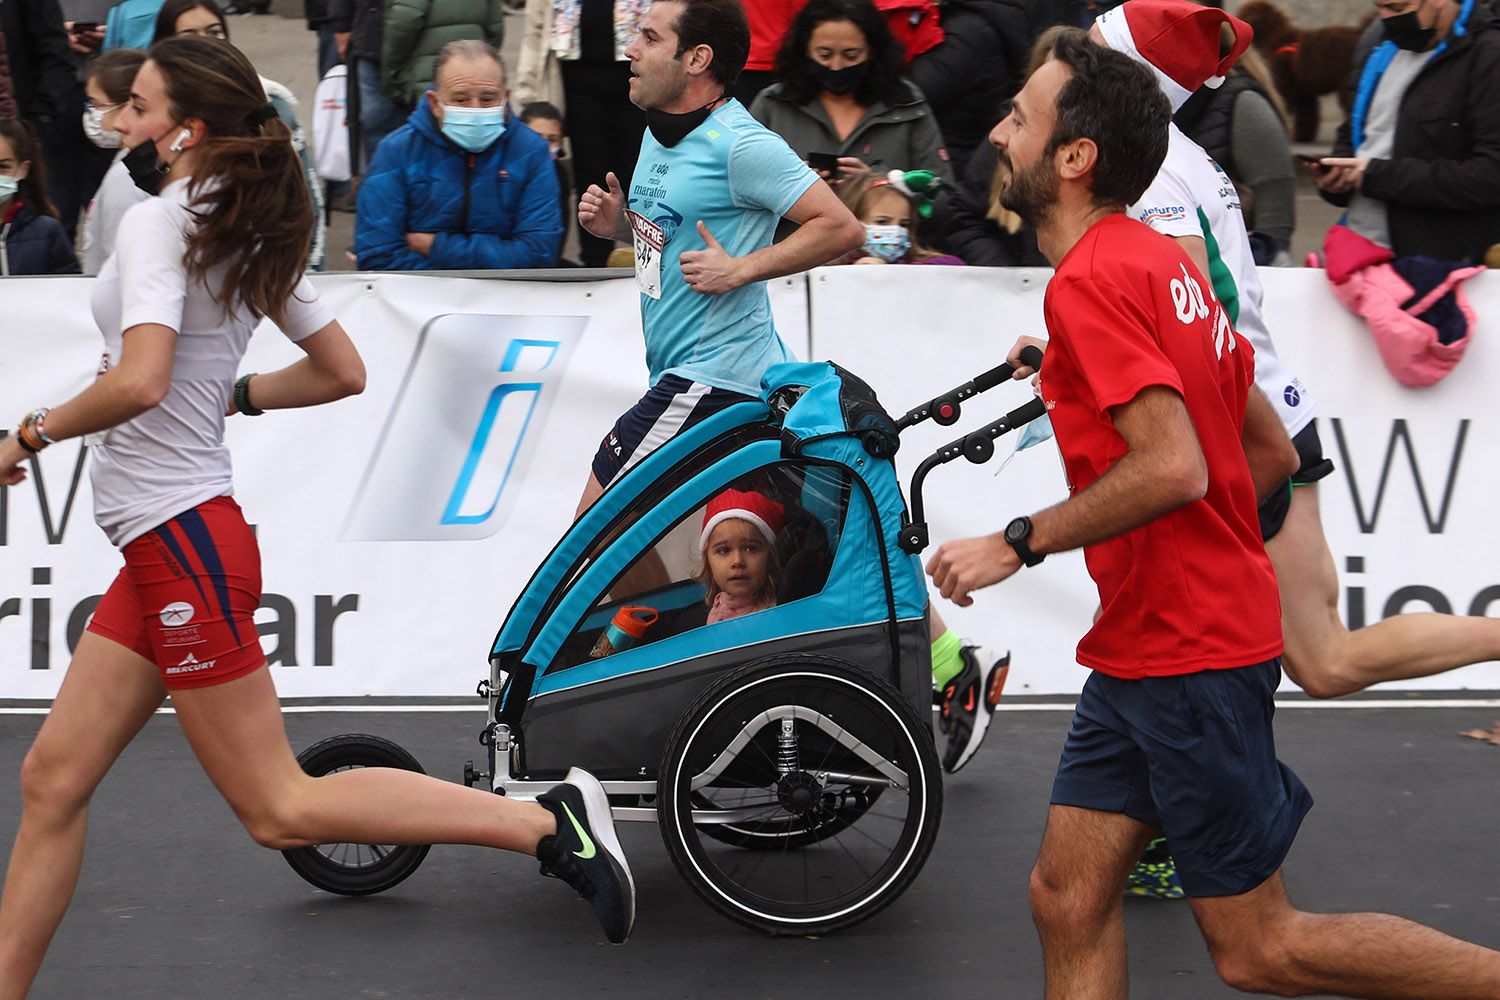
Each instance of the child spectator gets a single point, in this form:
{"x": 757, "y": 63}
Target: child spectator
{"x": 738, "y": 545}
{"x": 32, "y": 241}
{"x": 545, "y": 120}
{"x": 888, "y": 207}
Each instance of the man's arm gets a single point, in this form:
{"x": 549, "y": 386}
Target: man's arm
{"x": 1197, "y": 250}
{"x": 1268, "y": 448}
{"x": 381, "y": 224}
{"x": 826, "y": 230}
{"x": 535, "y": 238}
{"x": 1162, "y": 469}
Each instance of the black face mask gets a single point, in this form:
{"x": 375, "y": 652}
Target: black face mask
{"x": 840, "y": 81}
{"x": 1407, "y": 32}
{"x": 670, "y": 129}
{"x": 145, "y": 169}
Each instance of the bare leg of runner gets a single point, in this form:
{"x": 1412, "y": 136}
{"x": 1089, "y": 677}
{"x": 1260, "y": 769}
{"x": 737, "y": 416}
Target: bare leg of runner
{"x": 236, "y": 731}
{"x": 106, "y": 697}
{"x": 1076, "y": 890}
{"x": 1260, "y": 944}
{"x": 1328, "y": 660}
{"x": 648, "y": 572}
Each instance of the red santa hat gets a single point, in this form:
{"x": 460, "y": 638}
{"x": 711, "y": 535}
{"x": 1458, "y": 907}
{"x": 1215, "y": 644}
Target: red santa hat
{"x": 1178, "y": 40}
{"x": 766, "y": 514}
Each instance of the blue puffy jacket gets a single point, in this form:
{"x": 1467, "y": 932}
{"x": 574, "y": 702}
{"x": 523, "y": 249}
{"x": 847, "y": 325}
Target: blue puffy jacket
{"x": 495, "y": 209}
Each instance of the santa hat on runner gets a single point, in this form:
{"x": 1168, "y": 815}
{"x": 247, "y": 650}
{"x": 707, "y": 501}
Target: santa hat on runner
{"x": 1178, "y": 40}
{"x": 767, "y": 515}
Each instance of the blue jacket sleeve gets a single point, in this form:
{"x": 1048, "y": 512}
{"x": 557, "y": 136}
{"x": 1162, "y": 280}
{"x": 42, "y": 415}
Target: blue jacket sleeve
{"x": 381, "y": 224}
{"x": 538, "y": 231}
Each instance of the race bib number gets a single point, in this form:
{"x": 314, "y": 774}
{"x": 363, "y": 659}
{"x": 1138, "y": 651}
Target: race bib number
{"x": 649, "y": 239}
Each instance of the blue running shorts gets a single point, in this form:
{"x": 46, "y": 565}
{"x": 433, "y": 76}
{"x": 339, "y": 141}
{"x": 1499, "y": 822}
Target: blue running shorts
{"x": 667, "y": 409}
{"x": 1194, "y": 756}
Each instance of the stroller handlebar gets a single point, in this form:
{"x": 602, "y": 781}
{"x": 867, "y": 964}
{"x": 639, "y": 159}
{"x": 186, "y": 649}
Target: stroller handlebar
{"x": 978, "y": 447}
{"x": 946, "y": 409}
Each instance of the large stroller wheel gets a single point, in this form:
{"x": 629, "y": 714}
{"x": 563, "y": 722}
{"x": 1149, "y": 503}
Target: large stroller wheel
{"x": 355, "y": 869}
{"x": 825, "y": 767}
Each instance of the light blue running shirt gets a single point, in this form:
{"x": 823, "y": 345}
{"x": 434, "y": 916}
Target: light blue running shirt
{"x": 739, "y": 178}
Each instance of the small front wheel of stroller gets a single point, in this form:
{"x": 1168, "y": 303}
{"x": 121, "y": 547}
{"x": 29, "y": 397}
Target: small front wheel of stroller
{"x": 827, "y": 767}
{"x": 355, "y": 869}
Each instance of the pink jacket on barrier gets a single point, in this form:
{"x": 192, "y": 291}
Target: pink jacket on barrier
{"x": 1369, "y": 286}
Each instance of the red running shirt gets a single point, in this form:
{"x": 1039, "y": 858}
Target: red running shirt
{"x": 1192, "y": 590}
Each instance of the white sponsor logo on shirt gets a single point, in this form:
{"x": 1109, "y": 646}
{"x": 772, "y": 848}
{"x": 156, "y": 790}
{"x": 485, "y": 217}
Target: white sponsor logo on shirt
{"x": 1191, "y": 305}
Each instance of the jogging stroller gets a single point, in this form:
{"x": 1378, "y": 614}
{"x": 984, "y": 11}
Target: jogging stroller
{"x": 786, "y": 754}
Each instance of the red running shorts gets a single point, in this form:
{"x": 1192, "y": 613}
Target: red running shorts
{"x": 186, "y": 597}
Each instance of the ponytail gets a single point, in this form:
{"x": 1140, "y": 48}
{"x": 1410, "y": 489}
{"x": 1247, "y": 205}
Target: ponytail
{"x": 249, "y": 197}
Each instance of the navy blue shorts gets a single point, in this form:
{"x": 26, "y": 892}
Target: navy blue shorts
{"x": 670, "y": 407}
{"x": 1194, "y": 757}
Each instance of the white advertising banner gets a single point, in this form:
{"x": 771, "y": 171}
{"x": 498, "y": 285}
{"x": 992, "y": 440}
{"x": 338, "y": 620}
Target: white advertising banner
{"x": 397, "y": 527}
{"x": 1410, "y": 512}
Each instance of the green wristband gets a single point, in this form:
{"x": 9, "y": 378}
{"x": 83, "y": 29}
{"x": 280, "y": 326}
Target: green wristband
{"x": 242, "y": 396}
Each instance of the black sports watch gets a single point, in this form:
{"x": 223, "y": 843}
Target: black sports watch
{"x": 1017, "y": 533}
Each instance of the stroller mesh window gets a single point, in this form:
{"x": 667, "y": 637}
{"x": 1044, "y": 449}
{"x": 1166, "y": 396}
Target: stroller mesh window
{"x": 762, "y": 541}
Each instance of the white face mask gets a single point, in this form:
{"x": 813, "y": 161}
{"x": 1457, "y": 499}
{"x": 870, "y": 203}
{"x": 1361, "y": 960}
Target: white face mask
{"x": 8, "y": 186}
{"x": 93, "y": 127}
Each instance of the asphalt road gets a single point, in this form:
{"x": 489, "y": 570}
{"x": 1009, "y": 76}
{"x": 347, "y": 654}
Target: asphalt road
{"x": 176, "y": 903}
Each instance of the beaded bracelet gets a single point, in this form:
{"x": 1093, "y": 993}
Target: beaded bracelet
{"x": 38, "y": 418}
{"x": 242, "y": 396}
{"x": 29, "y": 436}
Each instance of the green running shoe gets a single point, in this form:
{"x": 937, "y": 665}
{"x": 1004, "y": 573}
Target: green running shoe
{"x": 1155, "y": 875}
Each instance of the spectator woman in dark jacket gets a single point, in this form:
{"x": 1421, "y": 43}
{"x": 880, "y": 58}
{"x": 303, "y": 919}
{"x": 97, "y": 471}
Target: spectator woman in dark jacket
{"x": 32, "y": 241}
{"x": 975, "y": 70}
{"x": 840, "y": 93}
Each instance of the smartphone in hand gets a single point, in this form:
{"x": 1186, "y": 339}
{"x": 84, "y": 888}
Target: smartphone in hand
{"x": 825, "y": 161}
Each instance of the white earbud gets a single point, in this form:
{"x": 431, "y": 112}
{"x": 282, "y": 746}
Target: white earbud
{"x": 182, "y": 137}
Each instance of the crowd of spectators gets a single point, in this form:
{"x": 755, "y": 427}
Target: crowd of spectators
{"x": 459, "y": 164}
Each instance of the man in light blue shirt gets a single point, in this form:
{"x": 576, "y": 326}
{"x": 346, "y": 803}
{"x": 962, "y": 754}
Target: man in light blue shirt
{"x": 709, "y": 189}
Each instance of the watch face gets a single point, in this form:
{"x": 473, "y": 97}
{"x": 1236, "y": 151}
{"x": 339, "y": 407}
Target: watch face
{"x": 1017, "y": 530}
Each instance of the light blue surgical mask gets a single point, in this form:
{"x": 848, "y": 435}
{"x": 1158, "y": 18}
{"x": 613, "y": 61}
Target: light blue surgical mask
{"x": 474, "y": 129}
{"x": 1036, "y": 432}
{"x": 8, "y": 186}
{"x": 890, "y": 243}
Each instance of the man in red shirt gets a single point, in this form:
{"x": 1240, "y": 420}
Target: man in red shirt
{"x": 1152, "y": 398}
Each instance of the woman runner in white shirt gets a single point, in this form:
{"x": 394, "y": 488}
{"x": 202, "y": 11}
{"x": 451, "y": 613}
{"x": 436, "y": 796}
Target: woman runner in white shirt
{"x": 177, "y": 303}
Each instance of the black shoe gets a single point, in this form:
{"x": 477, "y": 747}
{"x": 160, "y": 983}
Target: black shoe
{"x": 965, "y": 707}
{"x": 585, "y": 852}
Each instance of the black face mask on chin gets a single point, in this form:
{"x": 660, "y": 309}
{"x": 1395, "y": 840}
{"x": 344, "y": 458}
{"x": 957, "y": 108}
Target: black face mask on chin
{"x": 1407, "y": 32}
{"x": 145, "y": 169}
{"x": 670, "y": 129}
{"x": 840, "y": 81}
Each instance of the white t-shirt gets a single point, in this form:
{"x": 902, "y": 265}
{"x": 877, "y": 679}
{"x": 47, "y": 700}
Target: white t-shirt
{"x": 1192, "y": 196}
{"x": 117, "y": 195}
{"x": 172, "y": 457}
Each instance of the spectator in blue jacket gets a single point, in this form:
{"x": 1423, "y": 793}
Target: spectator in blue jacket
{"x": 461, "y": 185}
